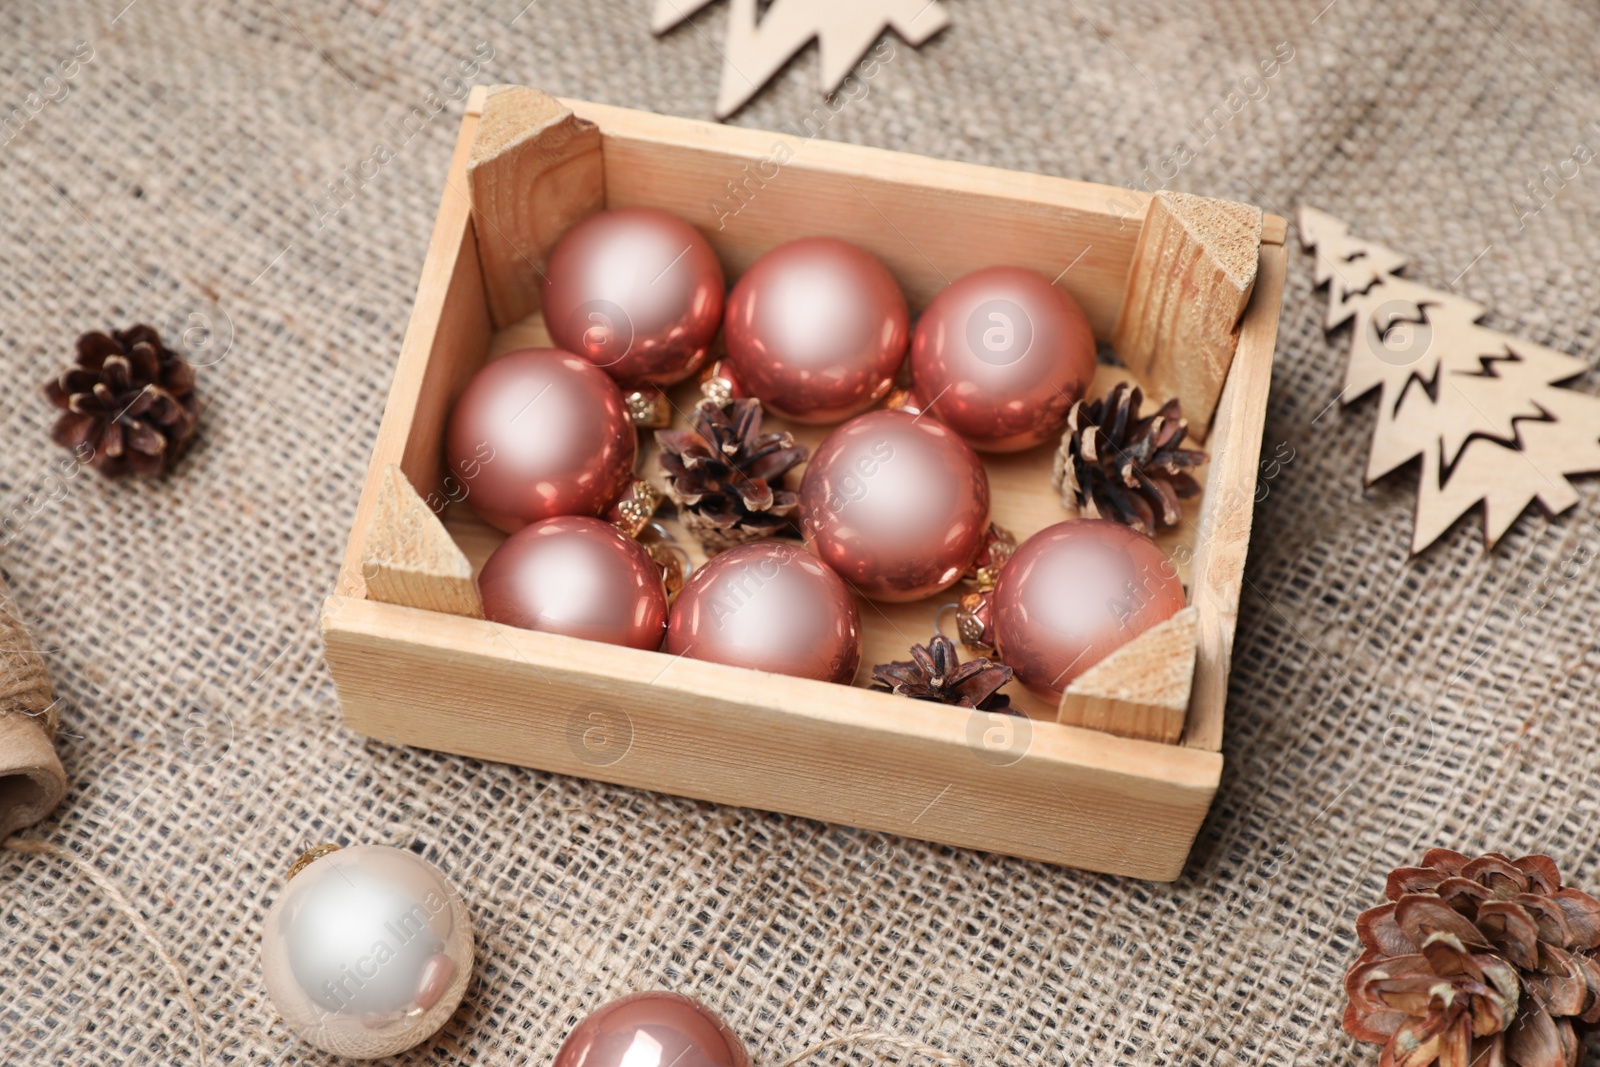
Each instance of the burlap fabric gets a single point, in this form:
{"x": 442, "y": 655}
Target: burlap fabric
{"x": 213, "y": 156}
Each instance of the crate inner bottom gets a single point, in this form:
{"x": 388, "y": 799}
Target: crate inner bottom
{"x": 1022, "y": 500}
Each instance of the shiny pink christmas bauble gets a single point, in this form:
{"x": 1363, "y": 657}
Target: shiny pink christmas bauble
{"x": 896, "y": 503}
{"x": 1075, "y": 592}
{"x": 539, "y": 433}
{"x": 577, "y": 576}
{"x": 1000, "y": 356}
{"x": 816, "y": 329}
{"x": 636, "y": 292}
{"x": 654, "y": 1029}
{"x": 769, "y": 606}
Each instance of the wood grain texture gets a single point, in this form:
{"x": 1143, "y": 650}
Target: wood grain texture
{"x": 704, "y": 730}
{"x": 411, "y": 559}
{"x": 535, "y": 170}
{"x": 1142, "y": 689}
{"x": 445, "y": 342}
{"x": 1226, "y": 510}
{"x": 1192, "y": 275}
{"x": 843, "y": 753}
{"x": 930, "y": 221}
{"x": 1274, "y": 229}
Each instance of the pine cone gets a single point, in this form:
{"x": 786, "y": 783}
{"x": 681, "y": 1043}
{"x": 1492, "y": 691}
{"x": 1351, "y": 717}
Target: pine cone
{"x": 130, "y": 399}
{"x": 1485, "y": 961}
{"x": 1112, "y": 464}
{"x": 726, "y": 476}
{"x": 934, "y": 672}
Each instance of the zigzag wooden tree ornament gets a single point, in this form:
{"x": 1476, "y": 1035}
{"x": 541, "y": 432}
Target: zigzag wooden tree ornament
{"x": 753, "y": 53}
{"x": 1482, "y": 410}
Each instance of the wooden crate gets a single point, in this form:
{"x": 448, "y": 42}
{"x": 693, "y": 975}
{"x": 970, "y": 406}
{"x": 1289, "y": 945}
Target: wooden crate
{"x": 1186, "y": 289}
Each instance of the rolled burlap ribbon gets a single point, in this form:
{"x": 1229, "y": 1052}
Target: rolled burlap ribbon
{"x": 32, "y": 781}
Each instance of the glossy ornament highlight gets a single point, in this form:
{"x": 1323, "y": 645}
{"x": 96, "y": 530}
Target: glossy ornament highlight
{"x": 770, "y": 606}
{"x": 1000, "y": 356}
{"x": 1075, "y": 592}
{"x": 367, "y": 951}
{"x": 816, "y": 330}
{"x": 654, "y": 1029}
{"x": 539, "y": 433}
{"x": 577, "y": 576}
{"x": 896, "y": 503}
{"x": 637, "y": 292}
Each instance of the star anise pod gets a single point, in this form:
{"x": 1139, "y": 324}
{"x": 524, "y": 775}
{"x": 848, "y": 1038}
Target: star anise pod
{"x": 129, "y": 399}
{"x": 726, "y": 476}
{"x": 1113, "y": 464}
{"x": 1486, "y": 962}
{"x": 934, "y": 672}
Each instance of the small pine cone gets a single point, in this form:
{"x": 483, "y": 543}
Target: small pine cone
{"x": 935, "y": 672}
{"x": 726, "y": 476}
{"x": 130, "y": 399}
{"x": 714, "y": 536}
{"x": 1480, "y": 962}
{"x": 1112, "y": 464}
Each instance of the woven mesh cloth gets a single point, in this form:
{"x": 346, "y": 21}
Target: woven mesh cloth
{"x": 1379, "y": 704}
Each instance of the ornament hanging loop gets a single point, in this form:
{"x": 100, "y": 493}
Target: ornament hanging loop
{"x": 310, "y": 856}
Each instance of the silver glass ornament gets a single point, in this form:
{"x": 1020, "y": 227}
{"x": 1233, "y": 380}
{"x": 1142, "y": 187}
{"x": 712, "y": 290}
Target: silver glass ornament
{"x": 368, "y": 950}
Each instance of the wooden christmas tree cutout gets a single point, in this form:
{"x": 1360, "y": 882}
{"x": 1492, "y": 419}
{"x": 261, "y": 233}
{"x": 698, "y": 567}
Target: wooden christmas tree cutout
{"x": 1483, "y": 411}
{"x": 754, "y": 51}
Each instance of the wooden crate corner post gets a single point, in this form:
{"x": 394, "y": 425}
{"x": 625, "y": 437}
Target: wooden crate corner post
{"x": 535, "y": 170}
{"x": 1193, "y": 271}
{"x": 1142, "y": 689}
{"x": 409, "y": 557}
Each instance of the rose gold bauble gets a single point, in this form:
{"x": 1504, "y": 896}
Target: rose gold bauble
{"x": 577, "y": 576}
{"x": 1075, "y": 592}
{"x": 655, "y": 1029}
{"x": 636, "y": 292}
{"x": 769, "y": 606}
{"x": 896, "y": 503}
{"x": 539, "y": 433}
{"x": 816, "y": 329}
{"x": 1000, "y": 356}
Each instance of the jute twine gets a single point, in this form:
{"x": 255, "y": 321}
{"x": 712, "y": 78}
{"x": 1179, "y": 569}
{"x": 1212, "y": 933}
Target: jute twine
{"x": 24, "y": 680}
{"x": 120, "y": 901}
{"x": 32, "y": 781}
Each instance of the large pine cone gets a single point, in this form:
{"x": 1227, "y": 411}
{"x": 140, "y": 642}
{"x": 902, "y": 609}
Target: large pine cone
{"x": 1113, "y": 464}
{"x": 726, "y": 476}
{"x": 129, "y": 398}
{"x": 1483, "y": 962}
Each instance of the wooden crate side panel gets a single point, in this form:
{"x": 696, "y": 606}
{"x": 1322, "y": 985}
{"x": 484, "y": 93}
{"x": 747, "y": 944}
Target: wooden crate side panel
{"x": 1217, "y": 571}
{"x": 445, "y": 341}
{"x": 930, "y": 221}
{"x": 714, "y": 733}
